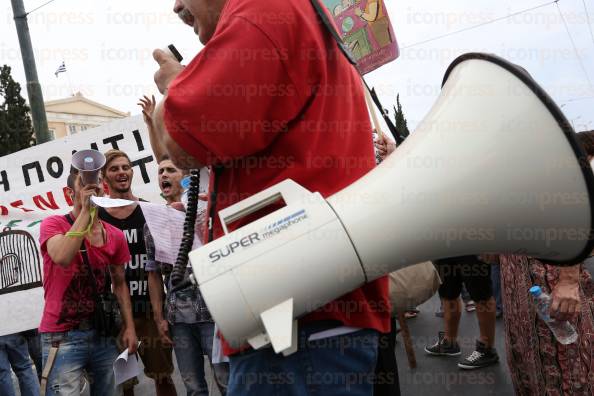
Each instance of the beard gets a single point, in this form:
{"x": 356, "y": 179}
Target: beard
{"x": 186, "y": 17}
{"x": 121, "y": 190}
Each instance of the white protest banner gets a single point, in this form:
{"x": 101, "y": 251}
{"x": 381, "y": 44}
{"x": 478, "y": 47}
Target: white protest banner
{"x": 32, "y": 187}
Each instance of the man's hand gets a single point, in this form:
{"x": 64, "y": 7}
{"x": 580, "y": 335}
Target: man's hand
{"x": 384, "y": 146}
{"x": 129, "y": 340}
{"x": 85, "y": 194}
{"x": 565, "y": 300}
{"x": 148, "y": 107}
{"x": 180, "y": 205}
{"x": 163, "y": 329}
{"x": 169, "y": 68}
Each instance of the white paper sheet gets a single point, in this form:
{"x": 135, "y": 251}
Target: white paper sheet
{"x": 106, "y": 202}
{"x": 125, "y": 367}
{"x": 167, "y": 227}
{"x": 217, "y": 348}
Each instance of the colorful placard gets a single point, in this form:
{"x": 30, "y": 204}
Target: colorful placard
{"x": 365, "y": 27}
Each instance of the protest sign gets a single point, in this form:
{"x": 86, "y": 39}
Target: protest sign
{"x": 365, "y": 27}
{"x": 33, "y": 187}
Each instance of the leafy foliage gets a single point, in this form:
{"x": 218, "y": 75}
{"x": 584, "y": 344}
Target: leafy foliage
{"x": 400, "y": 119}
{"x": 16, "y": 128}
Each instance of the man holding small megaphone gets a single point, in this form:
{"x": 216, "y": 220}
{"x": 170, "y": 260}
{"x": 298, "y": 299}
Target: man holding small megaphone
{"x": 82, "y": 255}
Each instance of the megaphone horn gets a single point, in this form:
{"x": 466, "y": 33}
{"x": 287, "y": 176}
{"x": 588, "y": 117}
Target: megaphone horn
{"x": 88, "y": 163}
{"x": 493, "y": 168}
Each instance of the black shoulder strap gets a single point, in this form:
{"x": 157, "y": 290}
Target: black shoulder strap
{"x": 217, "y": 169}
{"x": 347, "y": 52}
{"x": 326, "y": 21}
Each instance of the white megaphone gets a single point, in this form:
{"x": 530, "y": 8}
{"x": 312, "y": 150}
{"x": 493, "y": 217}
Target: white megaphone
{"x": 493, "y": 168}
{"x": 88, "y": 163}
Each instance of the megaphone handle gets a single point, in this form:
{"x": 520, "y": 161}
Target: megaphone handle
{"x": 288, "y": 190}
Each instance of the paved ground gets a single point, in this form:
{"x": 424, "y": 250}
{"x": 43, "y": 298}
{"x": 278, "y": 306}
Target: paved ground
{"x": 433, "y": 376}
{"x": 438, "y": 376}
{"x": 441, "y": 376}
{"x": 146, "y": 388}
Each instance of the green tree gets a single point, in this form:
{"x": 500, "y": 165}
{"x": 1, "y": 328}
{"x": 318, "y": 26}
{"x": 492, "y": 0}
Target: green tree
{"x": 16, "y": 129}
{"x": 400, "y": 119}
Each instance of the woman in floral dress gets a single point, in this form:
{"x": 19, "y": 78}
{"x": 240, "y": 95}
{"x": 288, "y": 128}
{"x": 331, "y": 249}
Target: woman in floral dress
{"x": 540, "y": 365}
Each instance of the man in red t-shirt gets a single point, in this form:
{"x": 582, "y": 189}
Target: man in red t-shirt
{"x": 69, "y": 289}
{"x": 271, "y": 97}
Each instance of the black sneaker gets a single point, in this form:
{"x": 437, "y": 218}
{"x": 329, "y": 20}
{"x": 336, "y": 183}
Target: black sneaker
{"x": 481, "y": 357}
{"x": 443, "y": 347}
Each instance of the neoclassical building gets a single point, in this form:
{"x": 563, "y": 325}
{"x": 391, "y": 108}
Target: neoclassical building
{"x": 76, "y": 114}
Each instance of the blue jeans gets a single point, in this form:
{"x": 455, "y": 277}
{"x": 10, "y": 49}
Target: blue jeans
{"x": 340, "y": 365}
{"x": 14, "y": 353}
{"x": 34, "y": 345}
{"x": 80, "y": 351}
{"x": 191, "y": 342}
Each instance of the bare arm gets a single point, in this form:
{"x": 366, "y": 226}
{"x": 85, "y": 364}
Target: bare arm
{"x": 566, "y": 294}
{"x": 120, "y": 289}
{"x": 155, "y": 284}
{"x": 148, "y": 109}
{"x": 62, "y": 248}
{"x": 570, "y": 274}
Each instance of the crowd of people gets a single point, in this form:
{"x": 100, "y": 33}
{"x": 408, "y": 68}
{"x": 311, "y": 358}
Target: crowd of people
{"x": 90, "y": 253}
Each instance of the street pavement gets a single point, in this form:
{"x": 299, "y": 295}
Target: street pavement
{"x": 441, "y": 375}
{"x": 434, "y": 376}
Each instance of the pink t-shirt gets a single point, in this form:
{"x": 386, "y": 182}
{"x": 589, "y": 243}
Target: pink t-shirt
{"x": 68, "y": 291}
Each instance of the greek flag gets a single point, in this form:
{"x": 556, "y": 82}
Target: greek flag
{"x": 61, "y": 69}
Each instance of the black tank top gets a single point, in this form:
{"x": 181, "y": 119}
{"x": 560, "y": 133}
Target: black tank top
{"x": 133, "y": 228}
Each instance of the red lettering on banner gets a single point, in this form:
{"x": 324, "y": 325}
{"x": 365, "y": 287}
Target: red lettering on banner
{"x": 18, "y": 204}
{"x": 66, "y": 192}
{"x": 40, "y": 201}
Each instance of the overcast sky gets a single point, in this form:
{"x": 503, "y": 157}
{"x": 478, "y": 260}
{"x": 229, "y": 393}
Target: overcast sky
{"x": 107, "y": 48}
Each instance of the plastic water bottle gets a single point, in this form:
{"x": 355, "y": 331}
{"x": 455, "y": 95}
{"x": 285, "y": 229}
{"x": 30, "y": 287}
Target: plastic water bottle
{"x": 563, "y": 331}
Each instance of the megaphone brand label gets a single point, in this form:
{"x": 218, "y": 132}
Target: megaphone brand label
{"x": 233, "y": 246}
{"x": 284, "y": 224}
{"x": 250, "y": 240}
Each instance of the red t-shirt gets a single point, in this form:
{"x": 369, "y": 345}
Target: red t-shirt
{"x": 68, "y": 291}
{"x": 270, "y": 97}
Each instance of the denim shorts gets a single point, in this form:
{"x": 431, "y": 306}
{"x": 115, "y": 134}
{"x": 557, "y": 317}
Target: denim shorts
{"x": 80, "y": 351}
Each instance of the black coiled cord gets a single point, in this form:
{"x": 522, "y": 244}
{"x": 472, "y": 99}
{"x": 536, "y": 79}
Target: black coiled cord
{"x": 179, "y": 270}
